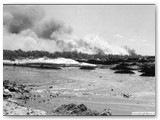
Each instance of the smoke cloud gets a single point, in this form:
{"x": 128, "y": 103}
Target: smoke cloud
{"x": 24, "y": 28}
{"x": 90, "y": 44}
{"x": 21, "y": 17}
{"x": 52, "y": 29}
{"x": 130, "y": 51}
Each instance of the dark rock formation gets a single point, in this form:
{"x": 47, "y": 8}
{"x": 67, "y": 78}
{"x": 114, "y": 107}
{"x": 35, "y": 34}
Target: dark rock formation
{"x": 11, "y": 87}
{"x": 79, "y": 110}
{"x": 123, "y": 68}
{"x": 148, "y": 70}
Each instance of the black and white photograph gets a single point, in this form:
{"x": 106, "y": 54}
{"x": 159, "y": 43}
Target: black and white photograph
{"x": 79, "y": 59}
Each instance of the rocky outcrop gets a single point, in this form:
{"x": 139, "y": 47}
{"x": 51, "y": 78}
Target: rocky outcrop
{"x": 11, "y": 107}
{"x": 123, "y": 68}
{"x": 78, "y": 110}
{"x": 148, "y": 70}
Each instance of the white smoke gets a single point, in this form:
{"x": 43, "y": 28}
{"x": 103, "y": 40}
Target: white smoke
{"x": 27, "y": 40}
{"x": 91, "y": 44}
{"x": 24, "y": 28}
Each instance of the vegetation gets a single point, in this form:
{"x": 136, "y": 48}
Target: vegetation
{"x": 18, "y": 54}
{"x": 103, "y": 59}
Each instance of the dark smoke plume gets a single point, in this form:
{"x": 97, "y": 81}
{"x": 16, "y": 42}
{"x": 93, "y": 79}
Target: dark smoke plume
{"x": 19, "y": 18}
{"x": 52, "y": 29}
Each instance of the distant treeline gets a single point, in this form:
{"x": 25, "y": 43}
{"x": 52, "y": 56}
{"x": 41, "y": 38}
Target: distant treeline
{"x": 20, "y": 54}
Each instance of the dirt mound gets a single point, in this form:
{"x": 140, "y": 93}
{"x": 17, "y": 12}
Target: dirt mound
{"x": 78, "y": 110}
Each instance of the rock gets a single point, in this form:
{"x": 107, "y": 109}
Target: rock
{"x": 73, "y": 109}
{"x": 147, "y": 70}
{"x": 51, "y": 87}
{"x": 126, "y": 95}
{"x": 6, "y": 94}
{"x": 122, "y": 66}
{"x": 13, "y": 108}
{"x": 82, "y": 107}
{"x": 12, "y": 86}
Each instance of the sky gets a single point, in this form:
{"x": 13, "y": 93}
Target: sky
{"x": 84, "y": 28}
{"x": 122, "y": 25}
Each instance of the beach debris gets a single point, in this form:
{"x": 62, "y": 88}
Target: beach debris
{"x": 106, "y": 112}
{"x": 126, "y": 95}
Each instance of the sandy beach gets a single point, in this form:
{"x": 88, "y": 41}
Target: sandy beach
{"x": 98, "y": 89}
